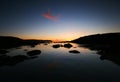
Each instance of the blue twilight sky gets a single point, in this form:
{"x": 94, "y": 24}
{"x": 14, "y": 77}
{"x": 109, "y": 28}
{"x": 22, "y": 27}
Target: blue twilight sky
{"x": 24, "y": 18}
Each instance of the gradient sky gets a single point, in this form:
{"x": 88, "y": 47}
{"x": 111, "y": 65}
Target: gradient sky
{"x": 24, "y": 18}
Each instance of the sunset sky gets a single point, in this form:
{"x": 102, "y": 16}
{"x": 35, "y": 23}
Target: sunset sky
{"x": 67, "y": 19}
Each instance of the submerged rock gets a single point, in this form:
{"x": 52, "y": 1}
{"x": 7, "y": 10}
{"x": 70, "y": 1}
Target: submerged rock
{"x": 56, "y": 46}
{"x": 67, "y": 45}
{"x": 74, "y": 51}
{"x": 33, "y": 52}
{"x": 3, "y": 51}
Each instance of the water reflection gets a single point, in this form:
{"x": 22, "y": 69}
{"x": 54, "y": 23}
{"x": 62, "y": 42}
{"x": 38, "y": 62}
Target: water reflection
{"x": 57, "y": 64}
{"x": 9, "y": 56}
{"x": 106, "y": 52}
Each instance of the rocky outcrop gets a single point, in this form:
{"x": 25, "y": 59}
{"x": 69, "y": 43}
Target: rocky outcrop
{"x": 68, "y": 45}
{"x": 56, "y": 46}
{"x": 74, "y": 51}
{"x": 33, "y": 52}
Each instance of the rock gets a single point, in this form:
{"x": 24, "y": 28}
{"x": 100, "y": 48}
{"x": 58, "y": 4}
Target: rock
{"x": 61, "y": 45}
{"x": 74, "y": 51}
{"x": 56, "y": 46}
{"x": 16, "y": 59}
{"x": 25, "y": 49}
{"x": 3, "y": 51}
{"x": 74, "y": 47}
{"x": 33, "y": 52}
{"x": 67, "y": 45}
{"x": 32, "y": 46}
{"x": 45, "y": 44}
{"x": 18, "y": 48}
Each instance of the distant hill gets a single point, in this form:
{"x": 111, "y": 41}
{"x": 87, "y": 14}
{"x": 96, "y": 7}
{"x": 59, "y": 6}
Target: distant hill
{"x": 107, "y": 38}
{"x": 9, "y": 41}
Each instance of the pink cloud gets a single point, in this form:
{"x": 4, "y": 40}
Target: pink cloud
{"x": 49, "y": 16}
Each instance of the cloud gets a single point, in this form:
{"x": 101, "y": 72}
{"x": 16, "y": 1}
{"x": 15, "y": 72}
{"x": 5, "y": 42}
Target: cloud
{"x": 49, "y": 16}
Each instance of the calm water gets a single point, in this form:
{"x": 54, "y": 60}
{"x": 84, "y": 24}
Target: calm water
{"x": 57, "y": 64}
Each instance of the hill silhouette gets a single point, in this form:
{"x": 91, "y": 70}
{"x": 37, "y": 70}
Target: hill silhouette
{"x": 9, "y": 42}
{"x": 107, "y": 38}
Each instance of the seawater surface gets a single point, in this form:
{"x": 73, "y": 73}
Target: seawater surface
{"x": 57, "y": 64}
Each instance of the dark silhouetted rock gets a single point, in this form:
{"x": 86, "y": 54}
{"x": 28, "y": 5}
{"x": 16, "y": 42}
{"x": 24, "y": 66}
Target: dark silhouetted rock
{"x": 18, "y": 47}
{"x": 25, "y": 49}
{"x": 11, "y": 60}
{"x": 74, "y": 47}
{"x": 67, "y": 45}
{"x": 32, "y": 46}
{"x": 16, "y": 59}
{"x": 33, "y": 52}
{"x": 45, "y": 44}
{"x": 3, "y": 51}
{"x": 56, "y": 46}
{"x": 74, "y": 51}
{"x": 61, "y": 45}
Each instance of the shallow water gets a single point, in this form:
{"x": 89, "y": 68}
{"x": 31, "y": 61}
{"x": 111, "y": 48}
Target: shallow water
{"x": 57, "y": 64}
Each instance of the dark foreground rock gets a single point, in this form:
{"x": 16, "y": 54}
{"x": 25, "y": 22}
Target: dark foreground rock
{"x": 67, "y": 45}
{"x": 56, "y": 46}
{"x": 11, "y": 60}
{"x": 34, "y": 52}
{"x": 3, "y": 51}
{"x": 74, "y": 51}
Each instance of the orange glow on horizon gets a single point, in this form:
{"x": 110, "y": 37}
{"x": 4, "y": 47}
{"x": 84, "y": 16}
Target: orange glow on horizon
{"x": 64, "y": 36}
{"x": 53, "y": 38}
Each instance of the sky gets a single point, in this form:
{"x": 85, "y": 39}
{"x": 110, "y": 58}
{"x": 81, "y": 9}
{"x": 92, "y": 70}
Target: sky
{"x": 58, "y": 19}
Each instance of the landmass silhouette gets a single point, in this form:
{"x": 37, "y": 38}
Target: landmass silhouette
{"x": 106, "y": 45}
{"x": 10, "y": 42}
